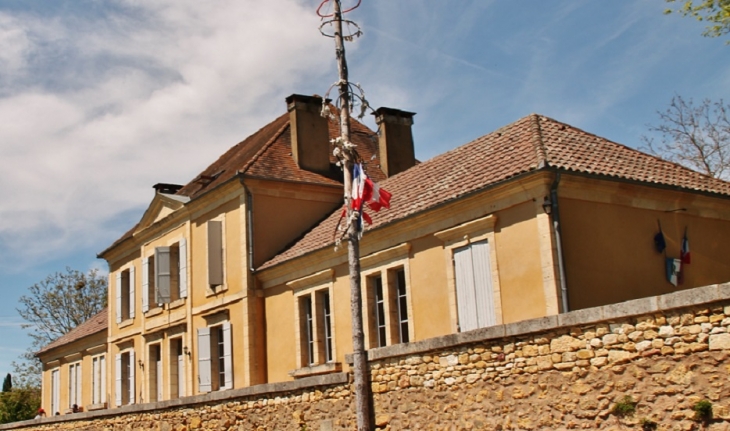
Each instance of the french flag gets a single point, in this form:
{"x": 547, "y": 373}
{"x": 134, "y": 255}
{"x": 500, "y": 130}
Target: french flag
{"x": 365, "y": 191}
{"x": 684, "y": 252}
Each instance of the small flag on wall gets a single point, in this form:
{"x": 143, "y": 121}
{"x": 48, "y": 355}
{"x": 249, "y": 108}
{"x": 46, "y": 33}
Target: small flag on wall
{"x": 659, "y": 243}
{"x": 674, "y": 267}
{"x": 684, "y": 252}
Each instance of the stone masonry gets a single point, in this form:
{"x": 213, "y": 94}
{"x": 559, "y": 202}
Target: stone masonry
{"x": 556, "y": 373}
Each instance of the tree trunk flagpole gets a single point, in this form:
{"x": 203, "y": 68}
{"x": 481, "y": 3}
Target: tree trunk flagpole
{"x": 359, "y": 355}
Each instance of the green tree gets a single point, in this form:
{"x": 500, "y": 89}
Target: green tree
{"x": 52, "y": 308}
{"x": 696, "y": 136}
{"x": 8, "y": 383}
{"x": 714, "y": 12}
{"x": 19, "y": 404}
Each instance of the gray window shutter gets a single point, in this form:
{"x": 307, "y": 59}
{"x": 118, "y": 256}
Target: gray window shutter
{"x": 132, "y": 279}
{"x": 215, "y": 253}
{"x": 227, "y": 356}
{"x": 145, "y": 284}
{"x": 118, "y": 381}
{"x": 162, "y": 275}
{"x": 183, "y": 265}
{"x": 465, "y": 289}
{"x": 132, "y": 367}
{"x": 119, "y": 297}
{"x": 204, "y": 371}
{"x": 483, "y": 290}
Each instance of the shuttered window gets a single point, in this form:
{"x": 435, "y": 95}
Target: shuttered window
{"x": 474, "y": 292}
{"x": 124, "y": 377}
{"x": 215, "y": 358}
{"x": 125, "y": 294}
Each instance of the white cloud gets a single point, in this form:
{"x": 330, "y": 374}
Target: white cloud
{"x": 96, "y": 109}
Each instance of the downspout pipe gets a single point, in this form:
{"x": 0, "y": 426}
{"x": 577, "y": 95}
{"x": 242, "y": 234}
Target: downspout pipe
{"x": 555, "y": 214}
{"x": 249, "y": 228}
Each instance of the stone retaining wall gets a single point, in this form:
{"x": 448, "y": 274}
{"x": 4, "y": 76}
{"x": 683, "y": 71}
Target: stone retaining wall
{"x": 559, "y": 372}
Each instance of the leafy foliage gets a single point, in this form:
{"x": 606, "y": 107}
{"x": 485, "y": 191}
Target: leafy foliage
{"x": 695, "y": 136}
{"x": 714, "y": 12}
{"x": 703, "y": 410}
{"x": 19, "y": 404}
{"x": 8, "y": 383}
{"x": 624, "y": 407}
{"x": 52, "y": 308}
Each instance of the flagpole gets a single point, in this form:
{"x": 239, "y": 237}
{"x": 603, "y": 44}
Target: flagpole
{"x": 359, "y": 355}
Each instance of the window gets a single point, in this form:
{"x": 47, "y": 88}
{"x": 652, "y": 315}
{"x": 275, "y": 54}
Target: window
{"x": 315, "y": 328}
{"x": 98, "y": 379}
{"x": 177, "y": 368}
{"x": 55, "y": 392}
{"x": 155, "y": 373}
{"x": 386, "y": 302}
{"x": 472, "y": 274}
{"x": 125, "y": 294}
{"x": 165, "y": 275}
{"x": 215, "y": 362}
{"x": 125, "y": 372}
{"x": 215, "y": 254}
{"x": 74, "y": 384}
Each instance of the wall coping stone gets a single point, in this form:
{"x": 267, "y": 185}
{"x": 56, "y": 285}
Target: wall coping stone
{"x": 217, "y": 396}
{"x": 606, "y": 313}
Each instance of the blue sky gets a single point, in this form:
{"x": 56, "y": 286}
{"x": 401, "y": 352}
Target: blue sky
{"x": 102, "y": 99}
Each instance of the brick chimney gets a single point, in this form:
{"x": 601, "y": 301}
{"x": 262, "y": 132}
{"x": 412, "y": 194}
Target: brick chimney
{"x": 310, "y": 144}
{"x": 396, "y": 140}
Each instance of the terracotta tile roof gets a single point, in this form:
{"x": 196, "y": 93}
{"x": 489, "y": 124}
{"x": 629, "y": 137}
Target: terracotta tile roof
{"x": 266, "y": 154}
{"x": 95, "y": 324}
{"x": 531, "y": 143}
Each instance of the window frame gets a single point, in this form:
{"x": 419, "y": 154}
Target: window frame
{"x": 384, "y": 265}
{"x": 75, "y": 384}
{"x": 212, "y": 274}
{"x": 318, "y": 290}
{"x": 98, "y": 379}
{"x": 462, "y": 235}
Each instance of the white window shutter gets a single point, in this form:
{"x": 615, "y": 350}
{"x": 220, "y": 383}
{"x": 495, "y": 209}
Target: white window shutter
{"x": 227, "y": 356}
{"x": 181, "y": 375}
{"x": 132, "y": 367}
{"x": 162, "y": 275}
{"x": 183, "y": 265}
{"x": 132, "y": 279}
{"x": 102, "y": 397}
{"x": 118, "y": 289}
{"x": 118, "y": 380}
{"x": 483, "y": 291}
{"x": 204, "y": 371}
{"x": 79, "y": 373}
{"x": 465, "y": 299}
{"x": 145, "y": 284}
{"x": 215, "y": 253}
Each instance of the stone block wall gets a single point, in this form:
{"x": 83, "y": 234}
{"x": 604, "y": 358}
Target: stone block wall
{"x": 555, "y": 373}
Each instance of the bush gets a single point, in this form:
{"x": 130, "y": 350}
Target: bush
{"x": 625, "y": 407}
{"x": 703, "y": 410}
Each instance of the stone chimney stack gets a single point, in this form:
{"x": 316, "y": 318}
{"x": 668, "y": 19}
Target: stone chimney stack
{"x": 396, "y": 140}
{"x": 310, "y": 144}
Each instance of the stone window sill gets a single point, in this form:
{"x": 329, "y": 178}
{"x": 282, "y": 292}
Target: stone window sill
{"x": 330, "y": 367}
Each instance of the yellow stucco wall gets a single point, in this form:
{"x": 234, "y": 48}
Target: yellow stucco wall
{"x": 428, "y": 293}
{"x": 610, "y": 255}
{"x": 278, "y": 220}
{"x": 518, "y": 256}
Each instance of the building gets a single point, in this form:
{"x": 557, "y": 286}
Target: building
{"x": 233, "y": 279}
